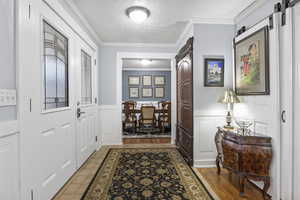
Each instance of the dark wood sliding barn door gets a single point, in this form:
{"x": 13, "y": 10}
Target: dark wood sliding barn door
{"x": 184, "y": 133}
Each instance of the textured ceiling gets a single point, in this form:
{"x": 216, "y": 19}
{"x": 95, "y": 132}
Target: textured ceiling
{"x": 167, "y": 21}
{"x": 155, "y": 64}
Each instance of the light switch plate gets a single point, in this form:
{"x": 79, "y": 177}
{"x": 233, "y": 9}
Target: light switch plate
{"x": 8, "y": 97}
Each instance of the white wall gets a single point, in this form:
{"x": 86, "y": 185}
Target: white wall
{"x": 250, "y": 18}
{"x": 186, "y": 34}
{"x": 7, "y": 54}
{"x": 108, "y": 63}
{"x": 208, "y": 114}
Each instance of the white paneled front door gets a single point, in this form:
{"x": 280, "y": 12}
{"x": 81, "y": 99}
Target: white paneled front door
{"x": 86, "y": 102}
{"x": 47, "y": 103}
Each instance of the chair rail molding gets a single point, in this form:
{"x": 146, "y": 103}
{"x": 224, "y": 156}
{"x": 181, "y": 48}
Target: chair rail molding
{"x": 9, "y": 128}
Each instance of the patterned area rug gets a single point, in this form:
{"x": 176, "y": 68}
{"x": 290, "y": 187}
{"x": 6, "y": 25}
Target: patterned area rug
{"x": 129, "y": 174}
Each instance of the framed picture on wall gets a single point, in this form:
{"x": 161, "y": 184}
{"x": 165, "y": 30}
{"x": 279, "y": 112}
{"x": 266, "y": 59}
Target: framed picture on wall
{"x": 214, "y": 72}
{"x": 133, "y": 80}
{"x": 252, "y": 64}
{"x": 147, "y": 92}
{"x": 159, "y": 92}
{"x": 159, "y": 80}
{"x": 134, "y": 92}
{"x": 147, "y": 80}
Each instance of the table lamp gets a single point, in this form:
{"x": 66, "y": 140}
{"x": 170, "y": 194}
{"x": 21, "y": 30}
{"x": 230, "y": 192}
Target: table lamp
{"x": 229, "y": 98}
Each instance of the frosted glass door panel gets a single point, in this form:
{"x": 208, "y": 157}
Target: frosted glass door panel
{"x": 55, "y": 68}
{"x": 86, "y": 78}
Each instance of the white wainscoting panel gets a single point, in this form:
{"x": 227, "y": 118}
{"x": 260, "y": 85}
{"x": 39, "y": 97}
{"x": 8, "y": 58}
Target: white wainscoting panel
{"x": 110, "y": 125}
{"x": 205, "y": 127}
{"x": 9, "y": 128}
{"x": 9, "y": 161}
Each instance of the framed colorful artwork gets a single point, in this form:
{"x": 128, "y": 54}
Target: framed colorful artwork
{"x": 133, "y": 80}
{"x": 159, "y": 92}
{"x": 252, "y": 64}
{"x": 147, "y": 80}
{"x": 134, "y": 92}
{"x": 213, "y": 72}
{"x": 147, "y": 92}
{"x": 159, "y": 80}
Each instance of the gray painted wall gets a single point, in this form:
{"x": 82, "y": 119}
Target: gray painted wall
{"x": 7, "y": 54}
{"x": 125, "y": 91}
{"x": 211, "y": 40}
{"x": 107, "y": 72}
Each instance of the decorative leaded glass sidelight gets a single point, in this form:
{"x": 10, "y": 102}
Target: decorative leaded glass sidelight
{"x": 86, "y": 78}
{"x": 55, "y": 68}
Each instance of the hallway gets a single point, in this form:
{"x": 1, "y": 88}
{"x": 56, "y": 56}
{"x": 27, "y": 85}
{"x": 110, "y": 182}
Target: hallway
{"x": 149, "y": 99}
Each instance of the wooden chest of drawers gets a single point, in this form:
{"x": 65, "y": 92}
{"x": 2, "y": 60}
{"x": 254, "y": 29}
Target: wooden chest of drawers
{"x": 248, "y": 156}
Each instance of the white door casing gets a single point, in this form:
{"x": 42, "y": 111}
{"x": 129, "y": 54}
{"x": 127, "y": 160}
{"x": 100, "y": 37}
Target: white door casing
{"x": 119, "y": 66}
{"x": 86, "y": 124}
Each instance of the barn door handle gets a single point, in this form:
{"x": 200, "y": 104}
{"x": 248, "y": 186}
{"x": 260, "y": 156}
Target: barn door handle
{"x": 79, "y": 113}
{"x": 283, "y": 119}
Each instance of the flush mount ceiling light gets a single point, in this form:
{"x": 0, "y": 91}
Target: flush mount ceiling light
{"x": 145, "y": 62}
{"x": 138, "y": 14}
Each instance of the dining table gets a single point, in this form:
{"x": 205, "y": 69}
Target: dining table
{"x": 138, "y": 111}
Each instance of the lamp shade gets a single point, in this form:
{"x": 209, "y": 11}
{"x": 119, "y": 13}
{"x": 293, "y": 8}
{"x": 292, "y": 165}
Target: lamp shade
{"x": 229, "y": 97}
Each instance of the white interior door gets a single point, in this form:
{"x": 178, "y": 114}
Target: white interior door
{"x": 48, "y": 108}
{"x": 86, "y": 102}
{"x": 296, "y": 158}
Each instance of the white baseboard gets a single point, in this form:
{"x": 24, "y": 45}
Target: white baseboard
{"x": 209, "y": 163}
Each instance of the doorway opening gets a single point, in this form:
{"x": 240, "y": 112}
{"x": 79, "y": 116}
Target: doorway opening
{"x": 146, "y": 98}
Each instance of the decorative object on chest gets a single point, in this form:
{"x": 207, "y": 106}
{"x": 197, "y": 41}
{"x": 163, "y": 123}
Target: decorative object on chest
{"x": 229, "y": 98}
{"x": 249, "y": 156}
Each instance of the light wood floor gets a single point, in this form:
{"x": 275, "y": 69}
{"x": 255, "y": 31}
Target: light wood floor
{"x": 146, "y": 140}
{"x": 227, "y": 188}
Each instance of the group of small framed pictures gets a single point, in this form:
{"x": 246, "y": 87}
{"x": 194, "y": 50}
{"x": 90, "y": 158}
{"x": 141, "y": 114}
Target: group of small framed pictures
{"x": 147, "y": 90}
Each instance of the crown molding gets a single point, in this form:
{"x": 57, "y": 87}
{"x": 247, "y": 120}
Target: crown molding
{"x": 249, "y": 10}
{"x": 128, "y": 44}
{"x": 146, "y": 69}
{"x": 84, "y": 22}
{"x": 228, "y": 21}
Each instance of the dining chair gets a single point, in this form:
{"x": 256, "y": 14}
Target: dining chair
{"x": 164, "y": 119}
{"x": 147, "y": 117}
{"x": 130, "y": 115}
